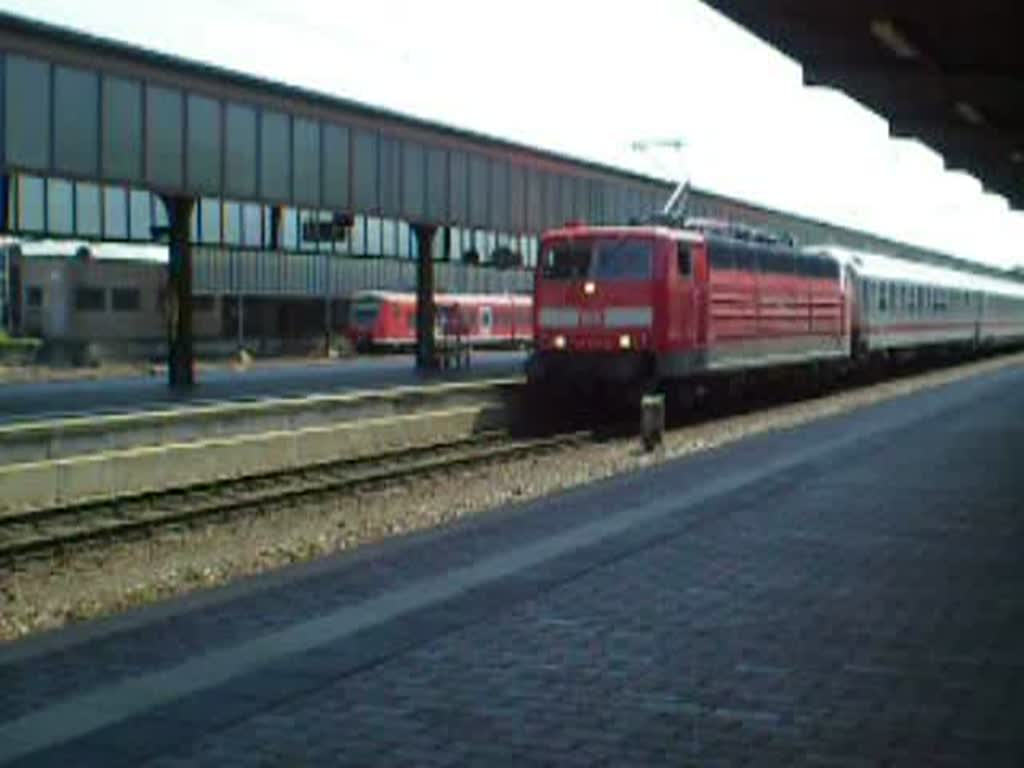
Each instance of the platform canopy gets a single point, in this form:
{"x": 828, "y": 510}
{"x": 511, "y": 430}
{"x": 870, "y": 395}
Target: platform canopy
{"x": 947, "y": 73}
{"x": 86, "y": 109}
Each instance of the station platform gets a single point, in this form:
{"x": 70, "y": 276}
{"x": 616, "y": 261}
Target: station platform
{"x": 47, "y": 400}
{"x": 846, "y": 593}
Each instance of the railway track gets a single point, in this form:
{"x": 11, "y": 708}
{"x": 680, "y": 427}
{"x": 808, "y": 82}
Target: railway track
{"x": 45, "y": 532}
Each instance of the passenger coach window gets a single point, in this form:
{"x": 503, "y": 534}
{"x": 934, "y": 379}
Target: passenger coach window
{"x": 683, "y": 259}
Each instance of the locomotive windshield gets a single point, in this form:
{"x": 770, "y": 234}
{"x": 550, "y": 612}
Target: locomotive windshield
{"x": 567, "y": 261}
{"x": 606, "y": 259}
{"x": 624, "y": 259}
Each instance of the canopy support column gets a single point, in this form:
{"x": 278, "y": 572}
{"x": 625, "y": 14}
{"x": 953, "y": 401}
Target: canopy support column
{"x": 426, "y": 357}
{"x": 180, "y": 351}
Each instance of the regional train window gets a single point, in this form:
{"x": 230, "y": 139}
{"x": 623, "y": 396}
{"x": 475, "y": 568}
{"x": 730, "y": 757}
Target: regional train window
{"x": 683, "y": 259}
{"x": 624, "y": 259}
{"x": 364, "y": 312}
{"x": 566, "y": 261}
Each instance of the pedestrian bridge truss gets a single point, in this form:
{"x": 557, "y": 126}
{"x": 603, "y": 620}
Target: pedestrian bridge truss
{"x": 76, "y": 108}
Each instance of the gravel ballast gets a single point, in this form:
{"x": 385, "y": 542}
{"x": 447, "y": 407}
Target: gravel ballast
{"x": 108, "y": 578}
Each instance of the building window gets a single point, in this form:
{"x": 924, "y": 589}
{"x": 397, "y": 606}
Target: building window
{"x": 90, "y": 299}
{"x": 34, "y": 296}
{"x": 125, "y": 300}
{"x": 202, "y": 304}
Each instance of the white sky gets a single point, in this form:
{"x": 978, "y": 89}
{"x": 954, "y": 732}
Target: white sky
{"x": 588, "y": 79}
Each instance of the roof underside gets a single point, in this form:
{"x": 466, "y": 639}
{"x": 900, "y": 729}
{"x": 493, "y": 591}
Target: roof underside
{"x": 949, "y": 74}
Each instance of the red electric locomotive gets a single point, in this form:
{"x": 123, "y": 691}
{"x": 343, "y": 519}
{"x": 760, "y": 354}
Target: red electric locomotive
{"x": 650, "y": 304}
{"x": 387, "y": 319}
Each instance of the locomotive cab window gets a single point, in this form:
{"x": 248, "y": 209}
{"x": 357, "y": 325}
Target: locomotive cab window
{"x": 683, "y": 259}
{"x": 618, "y": 259}
{"x": 566, "y": 261}
{"x": 624, "y": 259}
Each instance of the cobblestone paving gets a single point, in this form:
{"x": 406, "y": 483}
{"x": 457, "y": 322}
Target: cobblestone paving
{"x": 865, "y": 607}
{"x": 871, "y": 610}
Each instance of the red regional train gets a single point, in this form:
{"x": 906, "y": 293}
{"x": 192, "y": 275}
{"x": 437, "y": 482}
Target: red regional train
{"x": 387, "y": 319}
{"x": 661, "y": 305}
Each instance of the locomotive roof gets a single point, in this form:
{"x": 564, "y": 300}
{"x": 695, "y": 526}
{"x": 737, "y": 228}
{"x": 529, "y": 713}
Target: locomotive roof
{"x": 680, "y": 232}
{"x": 880, "y": 267}
{"x": 624, "y": 230}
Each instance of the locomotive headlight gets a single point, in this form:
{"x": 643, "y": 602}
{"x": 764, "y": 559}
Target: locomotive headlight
{"x": 559, "y": 342}
{"x": 590, "y": 288}
{"x": 625, "y": 341}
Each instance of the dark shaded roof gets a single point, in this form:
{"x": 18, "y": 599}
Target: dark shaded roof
{"x": 947, "y": 73}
